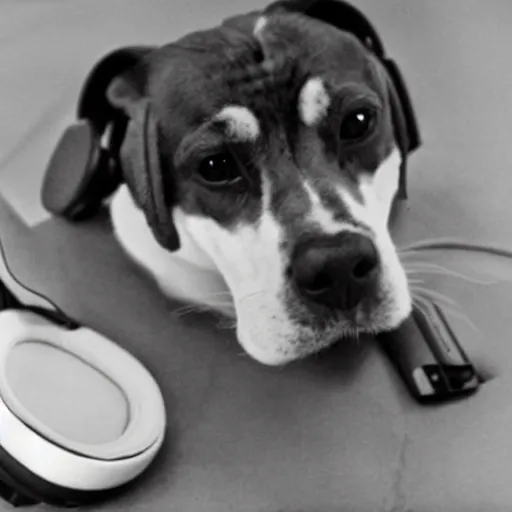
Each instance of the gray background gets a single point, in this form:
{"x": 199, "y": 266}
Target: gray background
{"x": 336, "y": 432}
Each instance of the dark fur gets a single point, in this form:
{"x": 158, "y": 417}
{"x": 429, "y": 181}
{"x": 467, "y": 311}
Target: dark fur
{"x": 232, "y": 67}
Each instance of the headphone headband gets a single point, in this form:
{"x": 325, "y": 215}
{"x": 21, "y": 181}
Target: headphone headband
{"x": 80, "y": 173}
{"x": 93, "y": 104}
{"x": 346, "y": 16}
{"x": 350, "y": 19}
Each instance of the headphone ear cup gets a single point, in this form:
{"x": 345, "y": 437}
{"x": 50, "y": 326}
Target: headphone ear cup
{"x": 404, "y": 101}
{"x": 346, "y": 17}
{"x": 80, "y": 174}
{"x": 104, "y": 181}
{"x": 404, "y": 118}
{"x": 142, "y": 172}
{"x": 400, "y": 130}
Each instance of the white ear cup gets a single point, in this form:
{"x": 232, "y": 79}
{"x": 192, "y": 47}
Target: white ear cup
{"x": 38, "y": 444}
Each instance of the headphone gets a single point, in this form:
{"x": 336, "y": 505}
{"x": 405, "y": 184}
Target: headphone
{"x": 108, "y": 146}
{"x": 82, "y": 173}
{"x": 49, "y": 453}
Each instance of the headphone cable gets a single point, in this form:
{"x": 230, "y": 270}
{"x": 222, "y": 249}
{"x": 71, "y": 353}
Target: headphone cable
{"x": 8, "y": 299}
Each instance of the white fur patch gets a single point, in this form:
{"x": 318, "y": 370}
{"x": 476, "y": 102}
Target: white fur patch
{"x": 187, "y": 274}
{"x": 241, "y": 123}
{"x": 313, "y": 101}
{"x": 378, "y": 192}
{"x": 248, "y": 263}
{"x": 250, "y": 260}
{"x": 323, "y": 217}
{"x": 241, "y": 271}
{"x": 383, "y": 185}
{"x": 259, "y": 26}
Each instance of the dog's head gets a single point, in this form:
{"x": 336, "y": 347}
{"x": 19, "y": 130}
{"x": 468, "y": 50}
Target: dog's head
{"x": 278, "y": 147}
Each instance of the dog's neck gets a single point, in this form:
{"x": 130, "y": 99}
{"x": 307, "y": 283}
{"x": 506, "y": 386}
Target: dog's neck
{"x": 188, "y": 274}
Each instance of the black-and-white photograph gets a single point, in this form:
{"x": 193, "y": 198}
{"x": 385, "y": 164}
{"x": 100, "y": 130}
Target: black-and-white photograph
{"x": 255, "y": 255}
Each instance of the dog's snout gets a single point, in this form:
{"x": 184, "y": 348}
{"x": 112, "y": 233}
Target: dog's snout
{"x": 337, "y": 271}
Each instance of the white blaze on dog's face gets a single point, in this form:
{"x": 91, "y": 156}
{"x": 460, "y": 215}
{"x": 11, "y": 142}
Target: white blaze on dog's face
{"x": 314, "y": 101}
{"x": 289, "y": 150}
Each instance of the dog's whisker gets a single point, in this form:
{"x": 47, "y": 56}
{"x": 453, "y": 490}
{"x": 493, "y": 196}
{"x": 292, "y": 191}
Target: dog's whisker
{"x": 424, "y": 301}
{"x": 427, "y": 244}
{"x": 411, "y": 276}
{"x": 206, "y": 306}
{"x": 432, "y": 298}
{"x": 432, "y": 268}
{"x": 226, "y": 324}
{"x": 421, "y": 301}
{"x": 416, "y": 281}
{"x": 251, "y": 295}
{"x": 180, "y": 314}
{"x": 454, "y": 244}
{"x": 434, "y": 295}
{"x": 433, "y": 272}
{"x": 464, "y": 318}
{"x": 183, "y": 312}
{"x": 198, "y": 308}
{"x": 217, "y": 294}
{"x": 187, "y": 307}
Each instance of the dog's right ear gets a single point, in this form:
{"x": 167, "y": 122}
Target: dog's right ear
{"x": 140, "y": 155}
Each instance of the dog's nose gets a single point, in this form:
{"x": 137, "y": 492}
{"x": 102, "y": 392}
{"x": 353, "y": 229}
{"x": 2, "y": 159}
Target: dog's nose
{"x": 336, "y": 271}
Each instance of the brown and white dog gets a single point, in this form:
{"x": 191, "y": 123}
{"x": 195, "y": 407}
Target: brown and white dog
{"x": 279, "y": 142}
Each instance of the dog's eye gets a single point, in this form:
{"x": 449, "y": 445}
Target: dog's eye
{"x": 219, "y": 170}
{"x": 357, "y": 124}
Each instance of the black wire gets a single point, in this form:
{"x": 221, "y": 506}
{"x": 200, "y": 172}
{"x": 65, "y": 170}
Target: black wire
{"x": 9, "y": 301}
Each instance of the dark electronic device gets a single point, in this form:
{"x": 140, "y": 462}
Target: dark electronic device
{"x": 428, "y": 356}
{"x": 56, "y": 445}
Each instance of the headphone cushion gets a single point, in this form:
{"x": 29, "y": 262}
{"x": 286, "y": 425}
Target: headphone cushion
{"x": 405, "y": 104}
{"x": 77, "y": 159}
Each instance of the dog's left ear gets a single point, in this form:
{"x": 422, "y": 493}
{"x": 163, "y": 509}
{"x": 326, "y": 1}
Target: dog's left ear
{"x": 349, "y": 19}
{"x": 140, "y": 155}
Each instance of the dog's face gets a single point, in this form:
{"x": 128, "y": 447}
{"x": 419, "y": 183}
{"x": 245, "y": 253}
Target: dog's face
{"x": 277, "y": 135}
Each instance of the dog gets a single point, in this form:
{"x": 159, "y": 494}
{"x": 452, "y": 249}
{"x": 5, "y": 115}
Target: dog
{"x": 277, "y": 134}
